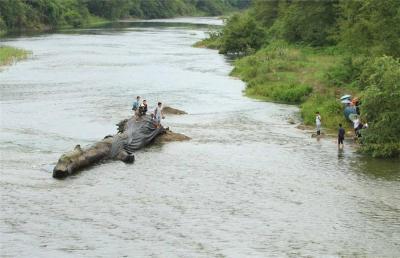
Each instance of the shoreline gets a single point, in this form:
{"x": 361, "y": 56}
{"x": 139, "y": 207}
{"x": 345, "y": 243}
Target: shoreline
{"x": 305, "y": 66}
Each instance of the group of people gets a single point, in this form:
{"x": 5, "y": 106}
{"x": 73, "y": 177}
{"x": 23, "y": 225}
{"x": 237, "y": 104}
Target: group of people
{"x": 140, "y": 109}
{"x": 358, "y": 125}
{"x": 341, "y": 131}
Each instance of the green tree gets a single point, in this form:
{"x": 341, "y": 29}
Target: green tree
{"x": 265, "y": 11}
{"x": 310, "y": 22}
{"x": 241, "y": 34}
{"x": 370, "y": 26}
{"x": 110, "y": 9}
{"x": 381, "y": 107}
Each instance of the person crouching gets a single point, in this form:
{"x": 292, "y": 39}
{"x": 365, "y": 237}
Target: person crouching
{"x": 143, "y": 108}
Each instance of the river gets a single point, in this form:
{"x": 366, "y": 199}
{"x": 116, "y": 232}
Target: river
{"x": 248, "y": 184}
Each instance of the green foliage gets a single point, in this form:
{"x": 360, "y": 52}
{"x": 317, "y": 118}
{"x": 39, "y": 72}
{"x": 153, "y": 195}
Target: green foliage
{"x": 347, "y": 72}
{"x": 381, "y": 107}
{"x": 112, "y": 10}
{"x": 10, "y": 54}
{"x": 271, "y": 73}
{"x": 3, "y": 26}
{"x": 17, "y": 15}
{"x": 31, "y": 15}
{"x": 330, "y": 109}
{"x": 213, "y": 40}
{"x": 309, "y": 22}
{"x": 211, "y": 7}
{"x": 242, "y": 34}
{"x": 265, "y": 12}
{"x": 286, "y": 93}
{"x": 370, "y": 26}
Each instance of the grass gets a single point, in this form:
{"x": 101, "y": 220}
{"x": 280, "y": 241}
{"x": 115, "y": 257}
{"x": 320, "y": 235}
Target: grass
{"x": 8, "y": 55}
{"x": 295, "y": 75}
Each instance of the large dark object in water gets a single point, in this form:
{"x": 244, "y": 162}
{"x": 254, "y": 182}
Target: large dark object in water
{"x": 132, "y": 135}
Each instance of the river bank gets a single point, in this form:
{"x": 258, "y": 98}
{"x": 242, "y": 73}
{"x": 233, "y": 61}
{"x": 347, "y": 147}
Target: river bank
{"x": 8, "y": 55}
{"x": 291, "y": 74}
{"x": 314, "y": 78}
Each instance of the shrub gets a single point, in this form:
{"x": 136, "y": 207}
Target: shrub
{"x": 331, "y": 111}
{"x": 381, "y": 107}
{"x": 347, "y": 72}
{"x": 241, "y": 35}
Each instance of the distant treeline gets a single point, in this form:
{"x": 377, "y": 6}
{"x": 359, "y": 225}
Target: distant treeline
{"x": 18, "y": 15}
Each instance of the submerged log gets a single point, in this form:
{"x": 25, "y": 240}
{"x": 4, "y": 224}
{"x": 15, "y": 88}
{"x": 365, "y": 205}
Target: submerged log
{"x": 132, "y": 135}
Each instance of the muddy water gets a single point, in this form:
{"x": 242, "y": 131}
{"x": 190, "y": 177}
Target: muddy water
{"x": 248, "y": 184}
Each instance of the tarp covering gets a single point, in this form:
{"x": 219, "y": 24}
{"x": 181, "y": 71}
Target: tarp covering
{"x": 137, "y": 134}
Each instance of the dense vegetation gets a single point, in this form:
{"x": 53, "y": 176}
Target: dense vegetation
{"x": 11, "y": 54}
{"x": 311, "y": 52}
{"x": 17, "y": 15}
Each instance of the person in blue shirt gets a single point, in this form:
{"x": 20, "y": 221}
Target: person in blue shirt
{"x": 136, "y": 104}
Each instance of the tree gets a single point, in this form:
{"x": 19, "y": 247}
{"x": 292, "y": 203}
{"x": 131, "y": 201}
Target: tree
{"x": 241, "y": 34}
{"x": 370, "y": 26}
{"x": 265, "y": 11}
{"x": 381, "y": 106}
{"x": 309, "y": 22}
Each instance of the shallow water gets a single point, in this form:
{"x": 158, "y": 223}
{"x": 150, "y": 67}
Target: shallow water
{"x": 247, "y": 184}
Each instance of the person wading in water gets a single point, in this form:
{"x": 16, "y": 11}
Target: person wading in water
{"x": 318, "y": 123}
{"x": 341, "y": 134}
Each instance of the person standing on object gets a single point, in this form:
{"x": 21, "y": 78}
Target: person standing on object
{"x": 158, "y": 115}
{"x": 318, "y": 123}
{"x": 136, "y": 104}
{"x": 341, "y": 134}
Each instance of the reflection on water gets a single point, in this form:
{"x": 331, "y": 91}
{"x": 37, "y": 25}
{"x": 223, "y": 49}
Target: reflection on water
{"x": 248, "y": 184}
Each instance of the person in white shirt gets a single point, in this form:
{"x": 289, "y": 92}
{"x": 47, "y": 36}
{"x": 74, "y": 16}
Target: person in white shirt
{"x": 158, "y": 115}
{"x": 318, "y": 123}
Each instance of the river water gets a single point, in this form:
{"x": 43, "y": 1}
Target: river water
{"x": 248, "y": 184}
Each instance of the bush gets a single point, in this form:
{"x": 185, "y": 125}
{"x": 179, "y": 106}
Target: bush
{"x": 287, "y": 93}
{"x": 3, "y": 26}
{"x": 381, "y": 107}
{"x": 331, "y": 111}
{"x": 73, "y": 18}
{"x": 309, "y": 22}
{"x": 370, "y": 26}
{"x": 347, "y": 72}
{"x": 241, "y": 35}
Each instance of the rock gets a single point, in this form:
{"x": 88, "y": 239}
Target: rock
{"x": 170, "y": 136}
{"x": 173, "y": 111}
